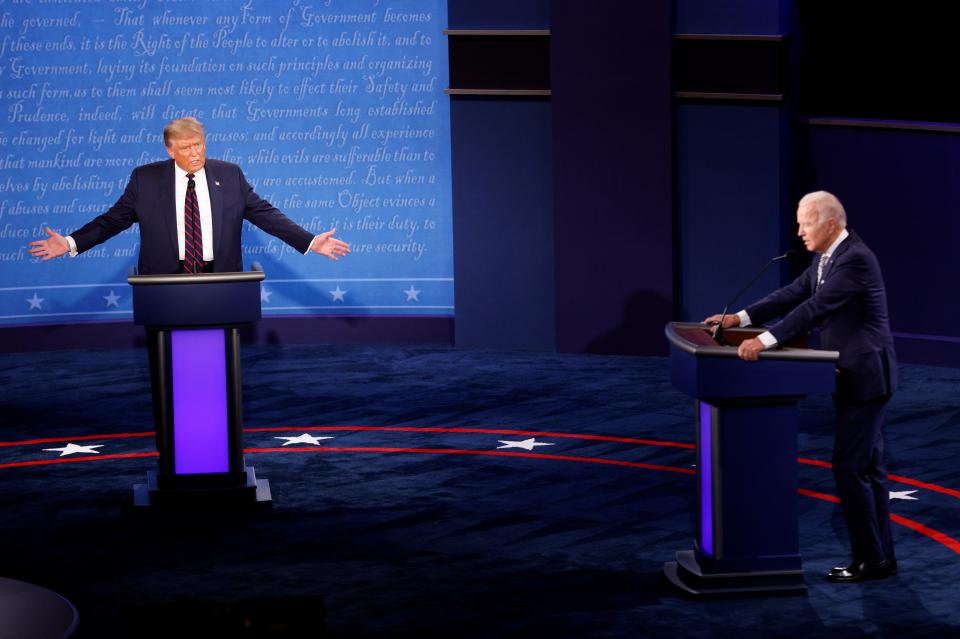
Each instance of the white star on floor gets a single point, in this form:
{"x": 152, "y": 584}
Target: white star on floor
{"x": 112, "y": 299}
{"x": 34, "y": 302}
{"x": 338, "y": 294}
{"x": 413, "y": 295}
{"x": 526, "y": 444}
{"x": 303, "y": 439}
{"x": 265, "y": 296}
{"x": 903, "y": 494}
{"x": 73, "y": 449}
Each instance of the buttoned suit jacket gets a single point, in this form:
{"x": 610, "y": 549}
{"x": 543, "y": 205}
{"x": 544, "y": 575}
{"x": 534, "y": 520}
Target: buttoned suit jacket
{"x": 850, "y": 308}
{"x": 149, "y": 200}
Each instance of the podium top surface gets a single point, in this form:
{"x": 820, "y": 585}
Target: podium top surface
{"x": 203, "y": 299}
{"x": 196, "y": 278}
{"x": 695, "y": 338}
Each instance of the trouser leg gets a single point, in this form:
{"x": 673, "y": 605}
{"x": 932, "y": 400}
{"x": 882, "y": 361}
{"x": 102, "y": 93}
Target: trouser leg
{"x": 881, "y": 496}
{"x": 860, "y": 474}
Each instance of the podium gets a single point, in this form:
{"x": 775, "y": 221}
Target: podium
{"x": 192, "y": 324}
{"x": 746, "y": 537}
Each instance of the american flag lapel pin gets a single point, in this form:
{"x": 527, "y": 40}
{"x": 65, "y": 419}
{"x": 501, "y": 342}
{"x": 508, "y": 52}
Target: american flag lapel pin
{"x": 217, "y": 183}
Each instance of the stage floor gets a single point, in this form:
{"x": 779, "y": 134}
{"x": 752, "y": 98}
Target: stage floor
{"x": 439, "y": 492}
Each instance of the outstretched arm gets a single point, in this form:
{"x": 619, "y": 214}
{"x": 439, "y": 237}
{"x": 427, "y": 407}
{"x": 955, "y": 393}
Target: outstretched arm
{"x": 54, "y": 246}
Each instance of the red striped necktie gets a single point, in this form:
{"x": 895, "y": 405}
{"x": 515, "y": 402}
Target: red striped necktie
{"x": 192, "y": 235}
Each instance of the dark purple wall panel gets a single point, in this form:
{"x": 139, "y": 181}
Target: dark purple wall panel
{"x": 610, "y": 69}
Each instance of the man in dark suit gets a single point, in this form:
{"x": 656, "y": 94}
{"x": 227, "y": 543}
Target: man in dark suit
{"x": 191, "y": 212}
{"x": 159, "y": 197}
{"x": 842, "y": 293}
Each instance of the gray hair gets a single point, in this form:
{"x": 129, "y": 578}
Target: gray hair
{"x": 827, "y": 207}
{"x": 182, "y": 128}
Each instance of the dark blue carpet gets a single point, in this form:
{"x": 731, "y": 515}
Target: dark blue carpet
{"x": 432, "y": 542}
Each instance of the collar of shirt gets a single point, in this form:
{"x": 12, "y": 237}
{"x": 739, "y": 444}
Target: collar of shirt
{"x": 844, "y": 234}
{"x": 182, "y": 175}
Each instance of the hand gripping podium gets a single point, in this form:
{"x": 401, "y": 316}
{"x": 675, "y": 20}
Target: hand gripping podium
{"x": 746, "y": 432}
{"x": 192, "y": 324}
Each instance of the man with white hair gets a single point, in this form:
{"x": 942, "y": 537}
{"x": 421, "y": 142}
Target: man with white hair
{"x": 842, "y": 293}
{"x": 190, "y": 211}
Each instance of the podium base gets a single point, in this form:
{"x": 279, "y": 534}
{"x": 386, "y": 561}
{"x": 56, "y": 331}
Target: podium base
{"x": 254, "y": 493}
{"x": 687, "y": 575}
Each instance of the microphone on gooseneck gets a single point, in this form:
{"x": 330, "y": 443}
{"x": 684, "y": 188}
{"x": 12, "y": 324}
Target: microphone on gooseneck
{"x": 718, "y": 331}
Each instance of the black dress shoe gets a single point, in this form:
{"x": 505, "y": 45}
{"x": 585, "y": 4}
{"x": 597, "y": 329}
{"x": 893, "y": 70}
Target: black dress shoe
{"x": 862, "y": 571}
{"x": 836, "y": 570}
{"x": 882, "y": 570}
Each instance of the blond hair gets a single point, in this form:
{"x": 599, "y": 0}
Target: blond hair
{"x": 827, "y": 207}
{"x": 182, "y": 128}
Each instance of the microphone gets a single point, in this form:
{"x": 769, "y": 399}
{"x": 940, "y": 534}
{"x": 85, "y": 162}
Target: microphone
{"x": 718, "y": 332}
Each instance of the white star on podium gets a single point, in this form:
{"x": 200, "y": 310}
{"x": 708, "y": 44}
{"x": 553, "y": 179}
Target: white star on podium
{"x": 112, "y": 299}
{"x": 338, "y": 294}
{"x": 413, "y": 295}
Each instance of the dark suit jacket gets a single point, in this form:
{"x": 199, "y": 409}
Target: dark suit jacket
{"x": 149, "y": 201}
{"x": 850, "y": 307}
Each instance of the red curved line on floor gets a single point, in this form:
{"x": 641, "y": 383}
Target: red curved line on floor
{"x": 816, "y": 495}
{"x": 489, "y": 453}
{"x": 814, "y": 462}
{"x": 922, "y": 484}
{"x": 78, "y": 438}
{"x": 912, "y": 524}
{"x": 936, "y": 535}
{"x": 943, "y": 490}
{"x": 70, "y": 460}
{"x": 487, "y": 431}
{"x": 415, "y": 429}
{"x": 916, "y": 526}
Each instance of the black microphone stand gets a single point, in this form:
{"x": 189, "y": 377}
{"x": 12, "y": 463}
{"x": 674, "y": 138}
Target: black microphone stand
{"x": 718, "y": 331}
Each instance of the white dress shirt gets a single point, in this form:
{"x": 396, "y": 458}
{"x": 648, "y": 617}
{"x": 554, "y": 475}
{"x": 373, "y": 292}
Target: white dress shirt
{"x": 206, "y": 216}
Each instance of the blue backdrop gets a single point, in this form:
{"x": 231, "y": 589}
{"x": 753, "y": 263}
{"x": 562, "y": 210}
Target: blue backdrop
{"x": 335, "y": 111}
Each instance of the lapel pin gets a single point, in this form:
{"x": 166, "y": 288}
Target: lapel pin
{"x": 217, "y": 183}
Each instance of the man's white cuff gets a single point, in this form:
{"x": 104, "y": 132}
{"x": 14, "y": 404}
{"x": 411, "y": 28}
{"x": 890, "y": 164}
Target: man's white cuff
{"x": 73, "y": 246}
{"x": 767, "y": 339}
{"x": 744, "y": 319}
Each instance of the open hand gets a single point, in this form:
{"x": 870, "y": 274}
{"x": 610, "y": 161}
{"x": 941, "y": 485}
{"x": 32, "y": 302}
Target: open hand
{"x": 326, "y": 244}
{"x": 53, "y": 246}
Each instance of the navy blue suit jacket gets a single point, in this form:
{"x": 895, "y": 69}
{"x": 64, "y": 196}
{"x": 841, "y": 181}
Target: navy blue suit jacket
{"x": 850, "y": 308}
{"x": 149, "y": 201}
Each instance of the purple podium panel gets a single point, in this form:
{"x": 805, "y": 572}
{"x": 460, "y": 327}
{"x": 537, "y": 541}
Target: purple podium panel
{"x": 200, "y": 422}
{"x": 705, "y": 475}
